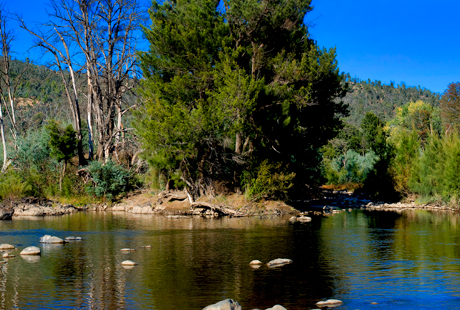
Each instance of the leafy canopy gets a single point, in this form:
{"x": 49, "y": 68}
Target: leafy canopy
{"x": 230, "y": 85}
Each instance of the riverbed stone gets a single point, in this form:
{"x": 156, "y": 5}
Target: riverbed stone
{"x": 129, "y": 263}
{"x": 73, "y": 238}
{"x": 6, "y": 246}
{"x": 31, "y": 250}
{"x": 227, "y": 304}
{"x": 330, "y": 303}
{"x": 128, "y": 250}
{"x": 51, "y": 239}
{"x": 255, "y": 262}
{"x": 276, "y": 307}
{"x": 279, "y": 262}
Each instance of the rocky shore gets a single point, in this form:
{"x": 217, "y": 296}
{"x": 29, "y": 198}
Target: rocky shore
{"x": 178, "y": 204}
{"x": 337, "y": 200}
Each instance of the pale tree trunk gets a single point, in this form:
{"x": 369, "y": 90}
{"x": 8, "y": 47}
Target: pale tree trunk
{"x": 2, "y": 129}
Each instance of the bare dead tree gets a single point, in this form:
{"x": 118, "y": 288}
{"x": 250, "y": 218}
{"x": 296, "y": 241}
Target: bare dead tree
{"x": 55, "y": 41}
{"x": 103, "y": 33}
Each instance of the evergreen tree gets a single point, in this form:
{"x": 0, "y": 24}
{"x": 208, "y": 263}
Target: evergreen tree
{"x": 226, "y": 90}
{"x": 63, "y": 144}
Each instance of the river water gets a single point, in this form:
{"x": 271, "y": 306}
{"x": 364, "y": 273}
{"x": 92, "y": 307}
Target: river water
{"x": 369, "y": 260}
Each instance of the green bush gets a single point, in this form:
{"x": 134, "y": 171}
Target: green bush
{"x": 12, "y": 186}
{"x": 109, "y": 179}
{"x": 270, "y": 182}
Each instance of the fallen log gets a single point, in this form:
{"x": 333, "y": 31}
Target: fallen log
{"x": 217, "y": 210}
{"x": 167, "y": 196}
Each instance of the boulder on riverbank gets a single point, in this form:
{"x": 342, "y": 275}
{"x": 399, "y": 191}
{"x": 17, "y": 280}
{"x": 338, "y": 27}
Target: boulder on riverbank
{"x": 6, "y": 214}
{"x": 227, "y": 304}
{"x": 44, "y": 209}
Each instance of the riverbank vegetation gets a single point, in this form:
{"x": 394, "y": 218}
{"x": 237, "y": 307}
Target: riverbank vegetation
{"x": 230, "y": 97}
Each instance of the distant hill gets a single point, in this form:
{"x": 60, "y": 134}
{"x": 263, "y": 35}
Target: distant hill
{"x": 37, "y": 83}
{"x": 382, "y": 99}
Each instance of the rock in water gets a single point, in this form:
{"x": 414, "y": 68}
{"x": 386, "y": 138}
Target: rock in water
{"x": 128, "y": 250}
{"x": 51, "y": 239}
{"x": 276, "y": 307}
{"x": 330, "y": 303}
{"x": 6, "y": 246}
{"x": 73, "y": 238}
{"x": 227, "y": 304}
{"x": 255, "y": 262}
{"x": 128, "y": 263}
{"x": 31, "y": 250}
{"x": 279, "y": 262}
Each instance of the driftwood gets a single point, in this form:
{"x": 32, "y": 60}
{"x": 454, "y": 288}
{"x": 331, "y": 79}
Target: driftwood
{"x": 216, "y": 210}
{"x": 166, "y": 196}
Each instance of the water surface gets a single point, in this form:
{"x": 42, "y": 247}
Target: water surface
{"x": 369, "y": 260}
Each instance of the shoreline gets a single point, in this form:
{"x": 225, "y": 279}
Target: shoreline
{"x": 176, "y": 203}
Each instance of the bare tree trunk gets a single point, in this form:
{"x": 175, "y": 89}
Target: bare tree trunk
{"x": 2, "y": 128}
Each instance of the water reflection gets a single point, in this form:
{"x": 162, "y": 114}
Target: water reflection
{"x": 367, "y": 259}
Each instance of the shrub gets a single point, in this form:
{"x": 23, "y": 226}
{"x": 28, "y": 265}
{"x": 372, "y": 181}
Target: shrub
{"x": 12, "y": 186}
{"x": 109, "y": 179}
{"x": 270, "y": 182}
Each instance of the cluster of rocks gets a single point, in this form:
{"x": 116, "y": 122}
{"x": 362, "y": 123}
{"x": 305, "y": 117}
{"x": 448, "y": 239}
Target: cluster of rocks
{"x": 271, "y": 264}
{"x": 230, "y": 304}
{"x": 382, "y": 206}
{"x": 34, "y": 207}
{"x": 29, "y": 251}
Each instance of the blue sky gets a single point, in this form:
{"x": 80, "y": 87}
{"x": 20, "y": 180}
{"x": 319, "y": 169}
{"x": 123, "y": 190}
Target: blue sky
{"x": 416, "y": 42}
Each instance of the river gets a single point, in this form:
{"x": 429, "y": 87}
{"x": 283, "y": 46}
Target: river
{"x": 369, "y": 260}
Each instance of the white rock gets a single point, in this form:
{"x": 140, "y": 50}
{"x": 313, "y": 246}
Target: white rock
{"x": 304, "y": 219}
{"x": 227, "y": 304}
{"x": 128, "y": 250}
{"x": 31, "y": 250}
{"x": 72, "y": 238}
{"x": 255, "y": 262}
{"x": 279, "y": 262}
{"x": 330, "y": 303}
{"x": 276, "y": 307}
{"x": 6, "y": 246}
{"x": 129, "y": 263}
{"x": 51, "y": 239}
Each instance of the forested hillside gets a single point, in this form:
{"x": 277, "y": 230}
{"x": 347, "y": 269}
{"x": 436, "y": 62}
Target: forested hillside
{"x": 382, "y": 99}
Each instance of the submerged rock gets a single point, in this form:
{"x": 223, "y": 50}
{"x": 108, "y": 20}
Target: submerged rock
{"x": 330, "y": 303}
{"x": 227, "y": 304}
{"x": 279, "y": 262}
{"x": 51, "y": 239}
{"x": 31, "y": 250}
{"x": 72, "y": 238}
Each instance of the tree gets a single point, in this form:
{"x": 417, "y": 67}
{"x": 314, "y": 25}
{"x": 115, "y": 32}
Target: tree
{"x": 227, "y": 89}
{"x": 102, "y": 36}
{"x": 63, "y": 144}
{"x": 450, "y": 107}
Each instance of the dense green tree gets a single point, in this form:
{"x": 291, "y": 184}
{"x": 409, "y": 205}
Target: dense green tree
{"x": 63, "y": 144}
{"x": 229, "y": 88}
{"x": 450, "y": 107}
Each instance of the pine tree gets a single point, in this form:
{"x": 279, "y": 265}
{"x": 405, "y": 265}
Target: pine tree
{"x": 229, "y": 88}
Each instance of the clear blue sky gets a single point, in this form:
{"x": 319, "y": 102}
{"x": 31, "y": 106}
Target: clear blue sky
{"x": 416, "y": 42}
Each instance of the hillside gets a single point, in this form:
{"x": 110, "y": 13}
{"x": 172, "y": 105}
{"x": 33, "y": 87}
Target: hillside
{"x": 382, "y": 99}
